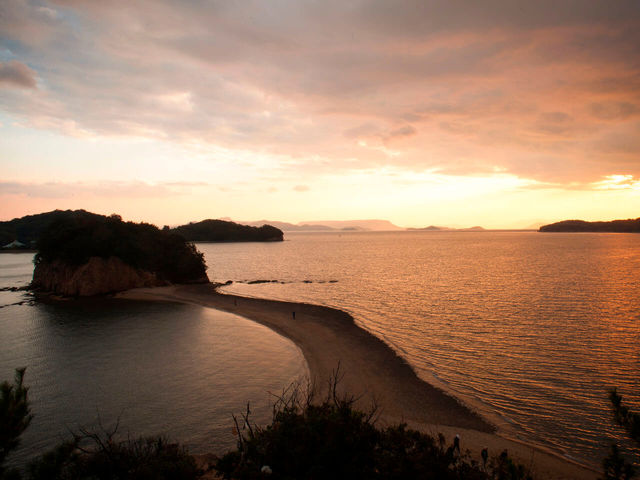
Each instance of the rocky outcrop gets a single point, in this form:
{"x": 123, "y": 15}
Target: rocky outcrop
{"x": 97, "y": 276}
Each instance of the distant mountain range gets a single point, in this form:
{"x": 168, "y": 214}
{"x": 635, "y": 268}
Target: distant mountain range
{"x": 328, "y": 225}
{"x": 614, "y": 226}
{"x": 433, "y": 228}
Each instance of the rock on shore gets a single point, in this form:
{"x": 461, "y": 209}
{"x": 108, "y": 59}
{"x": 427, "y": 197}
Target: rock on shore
{"x": 95, "y": 277}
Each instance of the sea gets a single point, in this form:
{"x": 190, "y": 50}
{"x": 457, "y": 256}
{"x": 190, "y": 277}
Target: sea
{"x": 530, "y": 329}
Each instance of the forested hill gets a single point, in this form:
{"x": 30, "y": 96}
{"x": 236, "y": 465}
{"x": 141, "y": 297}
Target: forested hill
{"x": 28, "y": 229}
{"x": 617, "y": 226}
{"x": 75, "y": 240}
{"x": 90, "y": 255}
{"x": 223, "y": 231}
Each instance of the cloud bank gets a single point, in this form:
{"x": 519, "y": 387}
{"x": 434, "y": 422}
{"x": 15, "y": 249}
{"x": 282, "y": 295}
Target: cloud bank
{"x": 548, "y": 91}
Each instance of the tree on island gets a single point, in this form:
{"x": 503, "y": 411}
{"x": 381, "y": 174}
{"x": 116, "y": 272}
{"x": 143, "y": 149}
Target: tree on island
{"x": 614, "y": 226}
{"x": 75, "y": 240}
{"x": 28, "y": 229}
{"x": 224, "y": 231}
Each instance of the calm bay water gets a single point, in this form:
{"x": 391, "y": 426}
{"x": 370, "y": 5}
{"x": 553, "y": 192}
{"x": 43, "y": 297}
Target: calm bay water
{"x": 531, "y": 329}
{"x": 161, "y": 368}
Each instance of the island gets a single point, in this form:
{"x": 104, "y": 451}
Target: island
{"x": 24, "y": 232}
{"x": 86, "y": 255}
{"x": 226, "y": 231}
{"x": 613, "y": 226}
{"x": 93, "y": 254}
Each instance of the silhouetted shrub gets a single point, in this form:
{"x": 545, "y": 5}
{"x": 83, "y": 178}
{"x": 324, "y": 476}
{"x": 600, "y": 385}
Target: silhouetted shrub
{"x": 624, "y": 417}
{"x": 88, "y": 456}
{"x": 615, "y": 466}
{"x": 107, "y": 459}
{"x": 333, "y": 440}
{"x": 15, "y": 417}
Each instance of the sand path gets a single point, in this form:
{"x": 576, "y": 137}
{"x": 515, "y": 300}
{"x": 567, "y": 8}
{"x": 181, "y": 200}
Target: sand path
{"x": 370, "y": 370}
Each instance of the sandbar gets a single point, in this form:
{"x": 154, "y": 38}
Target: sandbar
{"x": 369, "y": 370}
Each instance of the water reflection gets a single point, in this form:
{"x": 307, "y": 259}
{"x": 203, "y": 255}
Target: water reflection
{"x": 162, "y": 368}
{"x": 533, "y": 327}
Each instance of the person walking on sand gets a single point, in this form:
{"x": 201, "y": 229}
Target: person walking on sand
{"x": 485, "y": 456}
{"x": 456, "y": 444}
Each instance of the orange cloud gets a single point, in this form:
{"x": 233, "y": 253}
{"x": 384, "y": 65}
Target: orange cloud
{"x": 538, "y": 90}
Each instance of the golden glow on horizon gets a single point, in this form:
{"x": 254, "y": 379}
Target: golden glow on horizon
{"x": 618, "y": 182}
{"x": 516, "y": 115}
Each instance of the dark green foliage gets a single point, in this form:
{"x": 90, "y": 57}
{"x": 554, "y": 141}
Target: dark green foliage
{"x": 504, "y": 468}
{"x": 620, "y": 226}
{"x": 15, "y": 415}
{"x": 75, "y": 239}
{"x": 624, "y": 417}
{"x": 107, "y": 459}
{"x": 28, "y": 229}
{"x": 54, "y": 463}
{"x": 333, "y": 440}
{"x": 222, "y": 231}
{"x": 615, "y": 466}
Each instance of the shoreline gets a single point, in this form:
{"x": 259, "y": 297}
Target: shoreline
{"x": 369, "y": 370}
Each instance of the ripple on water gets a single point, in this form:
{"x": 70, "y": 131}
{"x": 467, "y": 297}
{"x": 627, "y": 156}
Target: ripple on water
{"x": 535, "y": 327}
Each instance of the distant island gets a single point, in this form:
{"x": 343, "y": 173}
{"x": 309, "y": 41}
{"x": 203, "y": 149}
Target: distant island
{"x": 613, "y": 226}
{"x": 225, "y": 231}
{"x": 330, "y": 225}
{"x": 24, "y": 232}
{"x": 433, "y": 228}
{"x": 88, "y": 254}
{"x": 353, "y": 226}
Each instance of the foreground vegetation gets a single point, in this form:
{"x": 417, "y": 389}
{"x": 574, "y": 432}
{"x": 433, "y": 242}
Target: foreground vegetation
{"x": 615, "y": 465}
{"x": 95, "y": 456}
{"x": 307, "y": 439}
{"x": 331, "y": 439}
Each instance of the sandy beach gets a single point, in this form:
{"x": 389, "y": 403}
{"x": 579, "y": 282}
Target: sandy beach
{"x": 371, "y": 371}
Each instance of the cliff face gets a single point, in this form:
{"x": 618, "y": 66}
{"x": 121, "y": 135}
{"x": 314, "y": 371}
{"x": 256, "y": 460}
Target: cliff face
{"x": 97, "y": 276}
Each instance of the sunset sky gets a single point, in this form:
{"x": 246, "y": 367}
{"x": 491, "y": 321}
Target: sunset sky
{"x": 503, "y": 114}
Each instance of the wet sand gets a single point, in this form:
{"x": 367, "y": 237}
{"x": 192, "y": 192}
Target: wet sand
{"x": 369, "y": 370}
